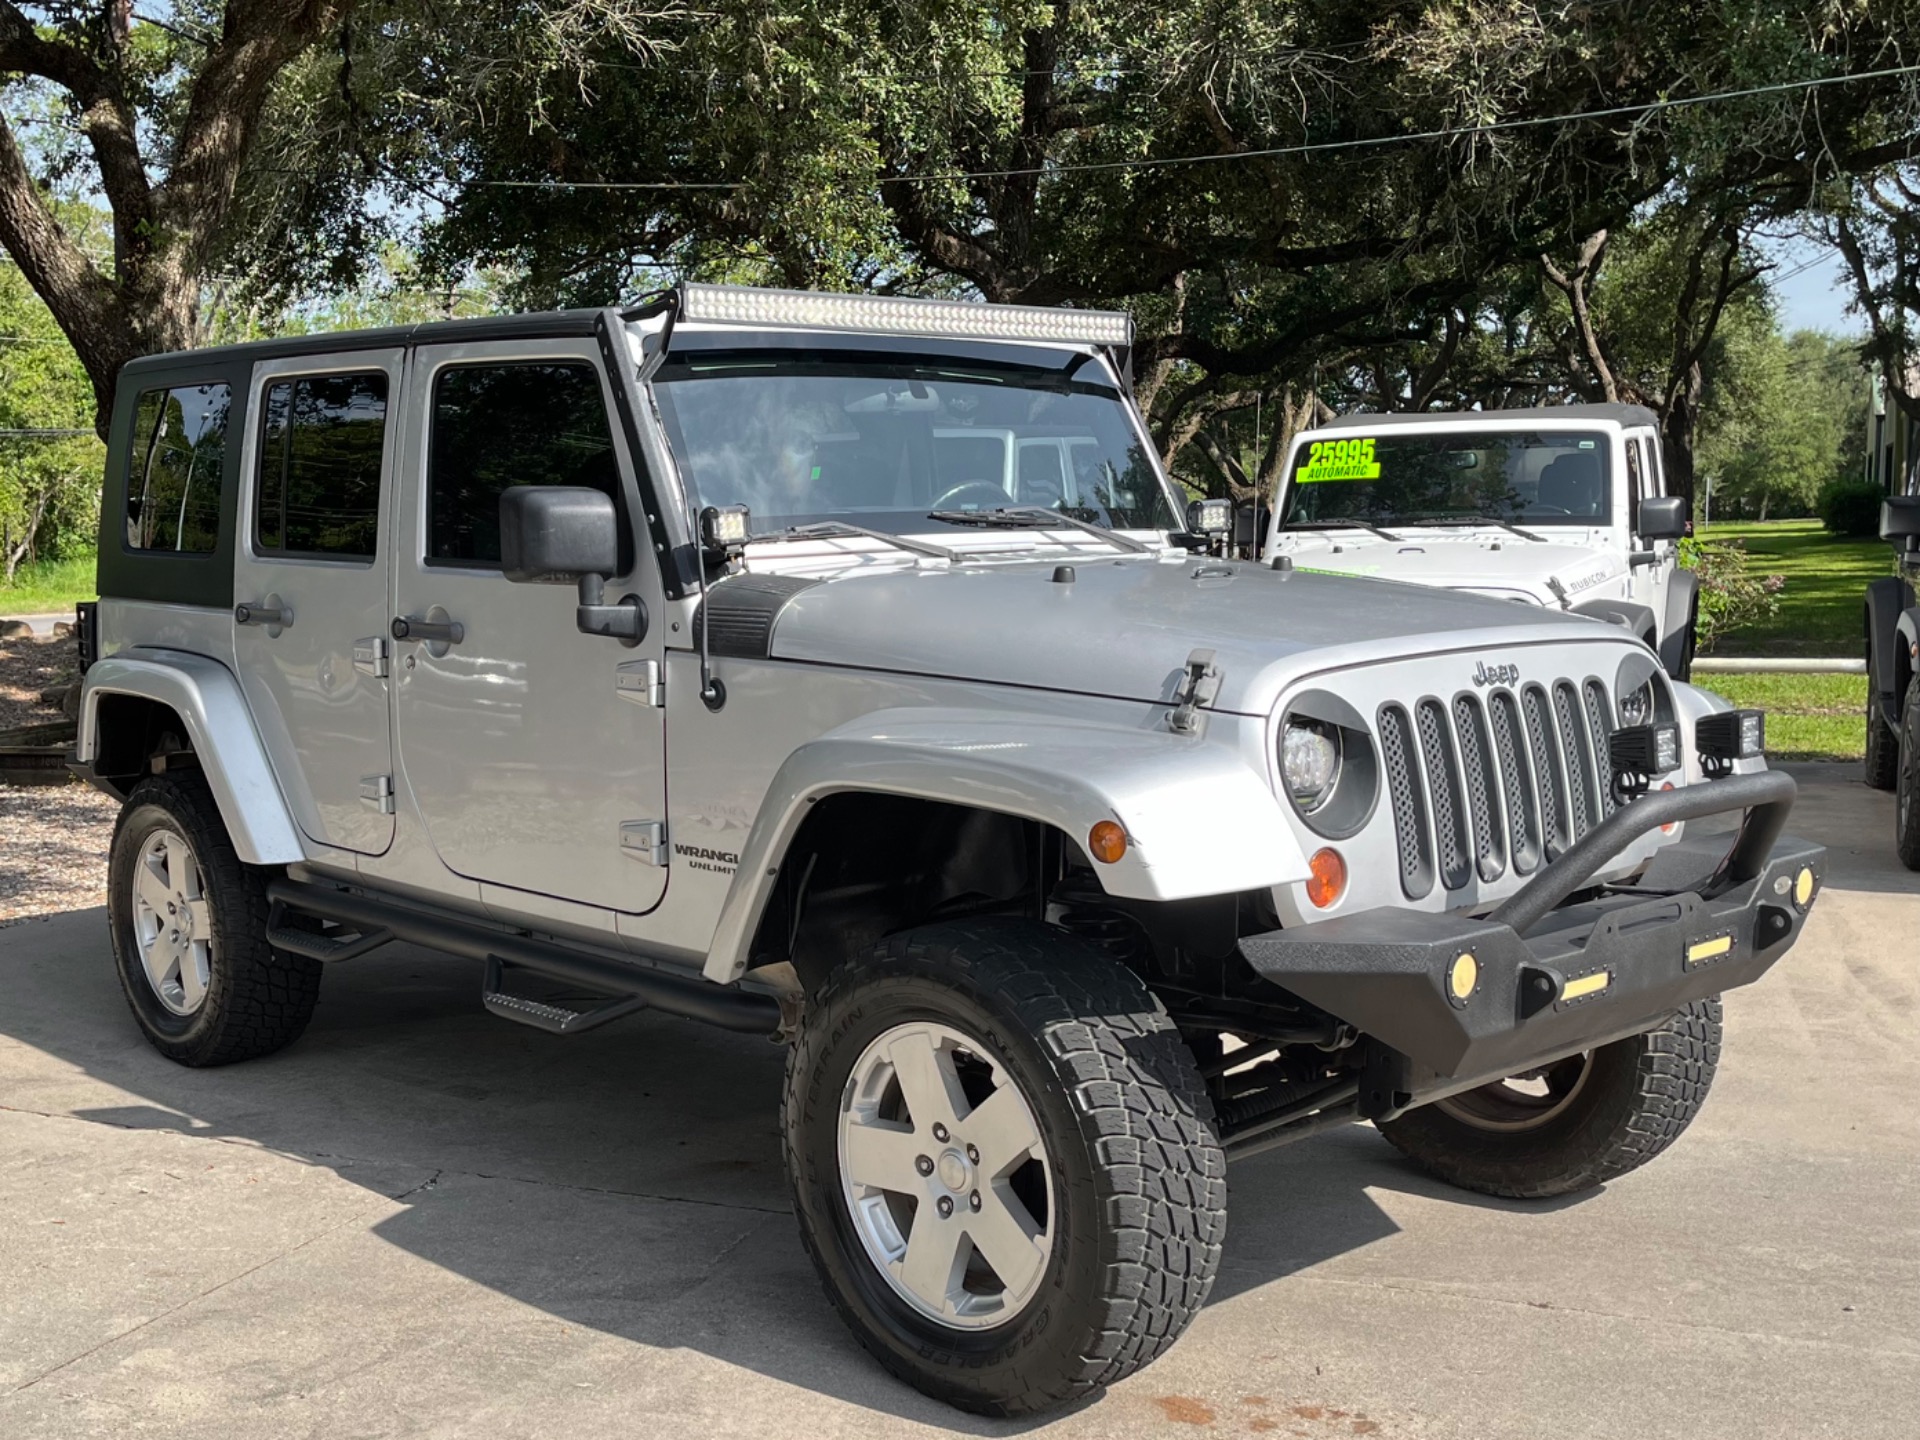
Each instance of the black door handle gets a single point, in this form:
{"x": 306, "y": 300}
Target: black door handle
{"x": 440, "y": 632}
{"x": 263, "y": 614}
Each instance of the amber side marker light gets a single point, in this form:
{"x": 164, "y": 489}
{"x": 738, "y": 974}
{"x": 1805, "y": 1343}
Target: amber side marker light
{"x": 1803, "y": 887}
{"x": 1326, "y": 878}
{"x": 1106, "y": 841}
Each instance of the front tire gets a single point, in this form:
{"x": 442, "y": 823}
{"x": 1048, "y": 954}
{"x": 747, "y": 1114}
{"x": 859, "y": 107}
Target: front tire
{"x": 189, "y": 927}
{"x": 1906, "y": 789}
{"x": 1582, "y": 1122}
{"x": 1883, "y": 748}
{"x": 1004, "y": 1065}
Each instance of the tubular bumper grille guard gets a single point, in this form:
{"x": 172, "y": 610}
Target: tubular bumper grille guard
{"x": 1550, "y": 979}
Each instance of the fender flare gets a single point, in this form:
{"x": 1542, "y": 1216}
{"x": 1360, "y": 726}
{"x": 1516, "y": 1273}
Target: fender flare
{"x": 1200, "y": 821}
{"x": 1891, "y": 632}
{"x": 1636, "y": 619}
{"x": 207, "y": 698}
{"x": 1683, "y": 593}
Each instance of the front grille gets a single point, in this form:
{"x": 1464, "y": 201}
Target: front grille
{"x": 1479, "y": 787}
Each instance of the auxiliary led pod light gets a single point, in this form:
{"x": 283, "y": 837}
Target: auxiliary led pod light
{"x": 1729, "y": 736}
{"x": 1640, "y": 752}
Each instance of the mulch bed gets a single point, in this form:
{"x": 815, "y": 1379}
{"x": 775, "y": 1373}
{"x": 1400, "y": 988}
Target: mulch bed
{"x": 53, "y": 838}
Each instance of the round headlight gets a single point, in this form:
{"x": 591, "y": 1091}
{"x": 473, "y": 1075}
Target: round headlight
{"x": 1310, "y": 762}
{"x": 1636, "y": 706}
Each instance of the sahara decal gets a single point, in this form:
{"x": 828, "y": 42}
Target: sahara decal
{"x": 1339, "y": 460}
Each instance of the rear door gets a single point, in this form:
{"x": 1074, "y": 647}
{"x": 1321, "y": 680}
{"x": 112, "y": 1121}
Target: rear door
{"x": 534, "y": 754}
{"x": 310, "y": 586}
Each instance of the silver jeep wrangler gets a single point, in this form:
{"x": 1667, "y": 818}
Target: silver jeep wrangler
{"x": 846, "y": 671}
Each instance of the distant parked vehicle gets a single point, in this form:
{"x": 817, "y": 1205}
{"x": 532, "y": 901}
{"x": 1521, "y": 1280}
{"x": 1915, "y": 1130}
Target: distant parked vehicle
{"x": 1893, "y": 698}
{"x": 1562, "y": 507}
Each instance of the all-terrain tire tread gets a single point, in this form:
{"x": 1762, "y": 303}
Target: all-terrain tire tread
{"x": 1883, "y": 748}
{"x": 268, "y": 995}
{"x": 1142, "y": 1105}
{"x": 1906, "y": 814}
{"x": 1673, "y": 1072}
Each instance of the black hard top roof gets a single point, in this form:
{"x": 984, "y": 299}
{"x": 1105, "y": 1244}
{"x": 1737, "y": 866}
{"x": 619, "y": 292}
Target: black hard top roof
{"x": 1531, "y": 415}
{"x": 539, "y": 325}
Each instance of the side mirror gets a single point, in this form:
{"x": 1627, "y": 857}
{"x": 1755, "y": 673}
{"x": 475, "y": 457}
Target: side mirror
{"x": 559, "y": 535}
{"x": 1900, "y": 517}
{"x": 554, "y": 534}
{"x": 1663, "y": 517}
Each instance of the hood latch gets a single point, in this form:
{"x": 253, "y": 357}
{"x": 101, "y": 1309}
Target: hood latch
{"x": 1197, "y": 688}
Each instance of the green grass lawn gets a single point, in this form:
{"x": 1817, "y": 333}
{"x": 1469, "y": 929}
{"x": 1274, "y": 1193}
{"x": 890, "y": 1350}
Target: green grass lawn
{"x": 1826, "y": 582}
{"x": 1809, "y": 717}
{"x": 47, "y": 587}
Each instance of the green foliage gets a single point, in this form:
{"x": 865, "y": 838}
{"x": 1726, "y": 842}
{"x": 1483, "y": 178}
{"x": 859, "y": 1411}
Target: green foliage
{"x": 1825, "y": 576}
{"x": 1732, "y": 597}
{"x": 1809, "y": 717}
{"x": 1783, "y": 416}
{"x": 1851, "y": 507}
{"x": 49, "y": 484}
{"x": 48, "y": 587}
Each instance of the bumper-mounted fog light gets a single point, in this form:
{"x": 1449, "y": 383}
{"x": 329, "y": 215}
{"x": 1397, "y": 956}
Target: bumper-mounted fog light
{"x": 1729, "y": 736}
{"x": 1641, "y": 752}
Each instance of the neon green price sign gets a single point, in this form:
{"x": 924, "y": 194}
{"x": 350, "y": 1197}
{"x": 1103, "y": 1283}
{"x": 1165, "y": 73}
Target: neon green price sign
{"x": 1339, "y": 460}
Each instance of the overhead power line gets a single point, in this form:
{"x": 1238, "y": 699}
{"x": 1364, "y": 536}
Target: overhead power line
{"x": 1322, "y": 147}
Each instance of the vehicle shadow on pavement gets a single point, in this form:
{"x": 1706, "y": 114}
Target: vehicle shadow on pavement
{"x": 629, "y": 1180}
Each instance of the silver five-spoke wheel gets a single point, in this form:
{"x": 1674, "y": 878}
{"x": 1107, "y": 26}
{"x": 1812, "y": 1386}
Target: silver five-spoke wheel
{"x": 172, "y": 922}
{"x": 945, "y": 1175}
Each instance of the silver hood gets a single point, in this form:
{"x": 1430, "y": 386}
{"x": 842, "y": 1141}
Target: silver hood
{"x": 1124, "y": 628}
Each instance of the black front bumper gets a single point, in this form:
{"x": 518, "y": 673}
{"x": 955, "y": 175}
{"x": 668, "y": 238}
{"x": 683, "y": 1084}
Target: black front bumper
{"x": 1549, "y": 978}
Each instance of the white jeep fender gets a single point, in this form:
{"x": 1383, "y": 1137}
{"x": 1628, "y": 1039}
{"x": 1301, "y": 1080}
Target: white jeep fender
{"x": 207, "y": 698}
{"x": 1199, "y": 820}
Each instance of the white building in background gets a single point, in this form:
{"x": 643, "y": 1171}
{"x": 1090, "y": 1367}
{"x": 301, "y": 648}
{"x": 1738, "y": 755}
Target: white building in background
{"x": 1893, "y": 442}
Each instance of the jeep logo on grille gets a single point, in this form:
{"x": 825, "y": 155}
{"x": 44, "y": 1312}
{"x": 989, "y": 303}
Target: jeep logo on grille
{"x": 1485, "y": 674}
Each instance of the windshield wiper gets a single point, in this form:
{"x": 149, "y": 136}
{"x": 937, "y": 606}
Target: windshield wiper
{"x": 840, "y": 530}
{"x": 1037, "y": 517}
{"x": 1339, "y": 525}
{"x": 1434, "y": 521}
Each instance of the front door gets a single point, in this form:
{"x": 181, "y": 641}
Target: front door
{"x": 1653, "y": 574}
{"x": 529, "y": 749}
{"x": 310, "y": 579}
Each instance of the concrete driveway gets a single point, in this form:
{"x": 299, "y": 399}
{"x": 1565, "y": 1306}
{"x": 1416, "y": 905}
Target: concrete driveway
{"x": 422, "y": 1221}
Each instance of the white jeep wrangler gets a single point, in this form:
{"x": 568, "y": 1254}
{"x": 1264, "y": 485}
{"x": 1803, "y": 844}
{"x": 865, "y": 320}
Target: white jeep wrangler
{"x": 1564, "y": 507}
{"x": 840, "y": 670}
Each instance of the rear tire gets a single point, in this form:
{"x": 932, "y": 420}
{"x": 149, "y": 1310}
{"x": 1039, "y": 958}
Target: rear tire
{"x": 189, "y": 928}
{"x": 1906, "y": 790}
{"x": 1628, "y": 1102}
{"x": 1121, "y": 1190}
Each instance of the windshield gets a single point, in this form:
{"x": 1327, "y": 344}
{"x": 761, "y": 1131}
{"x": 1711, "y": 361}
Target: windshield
{"x": 1537, "y": 476}
{"x": 882, "y": 445}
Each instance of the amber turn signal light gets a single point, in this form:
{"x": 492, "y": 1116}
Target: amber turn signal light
{"x": 1106, "y": 841}
{"x": 1327, "y": 878}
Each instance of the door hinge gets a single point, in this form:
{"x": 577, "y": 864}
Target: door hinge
{"x": 640, "y": 682}
{"x": 1197, "y": 688}
{"x": 645, "y": 840}
{"x": 377, "y": 791}
{"x": 370, "y": 656}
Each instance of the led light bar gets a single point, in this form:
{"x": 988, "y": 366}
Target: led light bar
{"x": 888, "y": 315}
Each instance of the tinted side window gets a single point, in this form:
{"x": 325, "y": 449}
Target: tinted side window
{"x": 321, "y": 439}
{"x": 174, "y": 468}
{"x": 542, "y": 423}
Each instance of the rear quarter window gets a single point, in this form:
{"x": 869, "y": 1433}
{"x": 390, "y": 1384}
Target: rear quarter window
{"x": 176, "y": 468}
